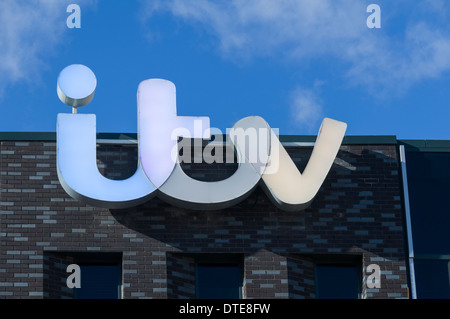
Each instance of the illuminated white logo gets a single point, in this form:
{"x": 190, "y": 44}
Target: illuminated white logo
{"x": 159, "y": 172}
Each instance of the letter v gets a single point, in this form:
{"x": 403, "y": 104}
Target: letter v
{"x": 291, "y": 190}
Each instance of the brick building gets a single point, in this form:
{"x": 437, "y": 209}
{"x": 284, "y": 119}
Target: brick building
{"x": 157, "y": 250}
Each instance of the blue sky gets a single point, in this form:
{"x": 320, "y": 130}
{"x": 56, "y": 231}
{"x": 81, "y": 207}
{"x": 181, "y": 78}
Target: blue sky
{"x": 292, "y": 62}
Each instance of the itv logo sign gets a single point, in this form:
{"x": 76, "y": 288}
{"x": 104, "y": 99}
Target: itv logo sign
{"x": 262, "y": 160}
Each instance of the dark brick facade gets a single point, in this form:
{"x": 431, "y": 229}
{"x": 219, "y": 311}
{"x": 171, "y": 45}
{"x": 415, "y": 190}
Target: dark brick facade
{"x": 358, "y": 213}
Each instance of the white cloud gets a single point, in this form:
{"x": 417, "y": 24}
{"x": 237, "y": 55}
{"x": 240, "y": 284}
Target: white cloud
{"x": 29, "y": 31}
{"x": 306, "y": 107}
{"x": 380, "y": 60}
{"x": 263, "y": 26}
{"x": 386, "y": 67}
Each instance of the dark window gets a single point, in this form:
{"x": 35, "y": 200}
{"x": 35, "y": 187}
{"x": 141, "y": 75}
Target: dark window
{"x": 100, "y": 274}
{"x": 432, "y": 279}
{"x": 99, "y": 282}
{"x": 334, "y": 281}
{"x": 429, "y": 189}
{"x": 216, "y": 279}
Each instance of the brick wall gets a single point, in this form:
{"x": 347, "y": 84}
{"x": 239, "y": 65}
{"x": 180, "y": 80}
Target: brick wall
{"x": 358, "y": 211}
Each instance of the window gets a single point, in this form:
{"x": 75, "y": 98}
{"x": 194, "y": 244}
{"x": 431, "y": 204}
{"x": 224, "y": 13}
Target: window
{"x": 429, "y": 188}
{"x": 100, "y": 274}
{"x": 337, "y": 276}
{"x": 99, "y": 281}
{"x": 337, "y": 281}
{"x": 432, "y": 279}
{"x": 216, "y": 281}
{"x": 219, "y": 277}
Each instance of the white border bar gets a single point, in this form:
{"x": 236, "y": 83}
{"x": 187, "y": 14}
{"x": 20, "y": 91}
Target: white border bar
{"x": 408, "y": 221}
{"x": 132, "y": 141}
